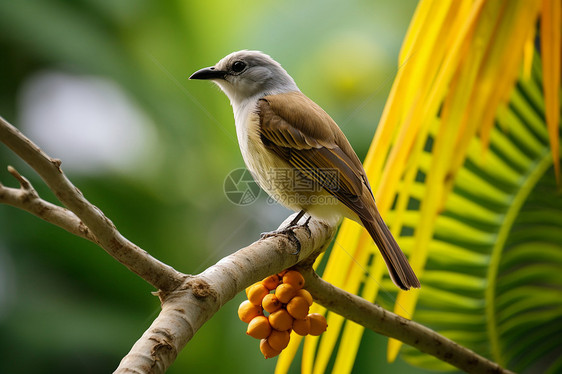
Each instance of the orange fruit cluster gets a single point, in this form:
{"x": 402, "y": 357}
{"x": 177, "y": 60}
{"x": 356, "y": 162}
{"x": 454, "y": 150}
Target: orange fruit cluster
{"x": 276, "y": 306}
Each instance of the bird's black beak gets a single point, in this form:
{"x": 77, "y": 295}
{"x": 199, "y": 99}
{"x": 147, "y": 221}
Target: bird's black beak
{"x": 208, "y": 73}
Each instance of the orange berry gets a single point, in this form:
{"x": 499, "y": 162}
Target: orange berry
{"x": 294, "y": 278}
{"x": 279, "y": 340}
{"x": 302, "y": 326}
{"x": 304, "y": 293}
{"x": 298, "y": 307}
{"x": 259, "y": 327}
{"x": 281, "y": 320}
{"x": 318, "y": 324}
{"x": 250, "y": 286}
{"x": 247, "y": 311}
{"x": 270, "y": 303}
{"x": 271, "y": 282}
{"x": 285, "y": 292}
{"x": 266, "y": 349}
{"x": 256, "y": 293}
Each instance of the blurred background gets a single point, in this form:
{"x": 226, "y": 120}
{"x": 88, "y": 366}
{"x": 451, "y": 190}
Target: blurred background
{"x": 103, "y": 86}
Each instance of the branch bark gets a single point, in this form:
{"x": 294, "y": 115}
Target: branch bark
{"x": 189, "y": 301}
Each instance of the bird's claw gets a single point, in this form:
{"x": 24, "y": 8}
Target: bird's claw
{"x": 288, "y": 232}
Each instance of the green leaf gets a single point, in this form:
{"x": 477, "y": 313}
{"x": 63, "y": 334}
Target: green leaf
{"x": 493, "y": 280}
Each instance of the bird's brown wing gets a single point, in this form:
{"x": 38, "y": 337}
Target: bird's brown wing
{"x": 301, "y": 133}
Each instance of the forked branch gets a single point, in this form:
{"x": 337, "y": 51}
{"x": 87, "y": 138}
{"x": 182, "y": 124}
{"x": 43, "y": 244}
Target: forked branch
{"x": 101, "y": 228}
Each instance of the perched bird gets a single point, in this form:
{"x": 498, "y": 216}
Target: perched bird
{"x": 298, "y": 154}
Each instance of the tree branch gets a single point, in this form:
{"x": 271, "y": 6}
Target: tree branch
{"x": 107, "y": 236}
{"x": 188, "y": 307}
{"x": 394, "y": 326}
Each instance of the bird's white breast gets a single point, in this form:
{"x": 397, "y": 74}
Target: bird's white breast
{"x": 259, "y": 160}
{"x": 241, "y": 118}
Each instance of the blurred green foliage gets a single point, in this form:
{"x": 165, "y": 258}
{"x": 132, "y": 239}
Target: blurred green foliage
{"x": 65, "y": 305}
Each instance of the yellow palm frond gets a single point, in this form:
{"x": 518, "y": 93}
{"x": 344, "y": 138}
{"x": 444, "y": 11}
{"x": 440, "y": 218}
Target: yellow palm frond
{"x": 458, "y": 66}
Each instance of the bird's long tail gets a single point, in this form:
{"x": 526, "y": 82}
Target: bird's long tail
{"x": 398, "y": 266}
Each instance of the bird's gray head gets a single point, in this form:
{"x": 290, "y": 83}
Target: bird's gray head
{"x": 246, "y": 74}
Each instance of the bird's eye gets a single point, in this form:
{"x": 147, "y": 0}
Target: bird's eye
{"x": 238, "y": 66}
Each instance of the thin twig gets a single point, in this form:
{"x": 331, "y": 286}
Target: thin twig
{"x": 26, "y": 198}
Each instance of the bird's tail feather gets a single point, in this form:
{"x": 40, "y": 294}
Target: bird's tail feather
{"x": 398, "y": 266}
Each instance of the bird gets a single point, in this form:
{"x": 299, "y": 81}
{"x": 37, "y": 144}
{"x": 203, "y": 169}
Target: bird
{"x": 297, "y": 153}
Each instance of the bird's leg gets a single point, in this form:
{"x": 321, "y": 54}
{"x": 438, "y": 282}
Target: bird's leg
{"x": 288, "y": 230}
{"x": 297, "y": 219}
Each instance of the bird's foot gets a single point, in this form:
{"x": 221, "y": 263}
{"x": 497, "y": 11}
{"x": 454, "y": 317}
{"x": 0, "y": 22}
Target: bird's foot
{"x": 288, "y": 232}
